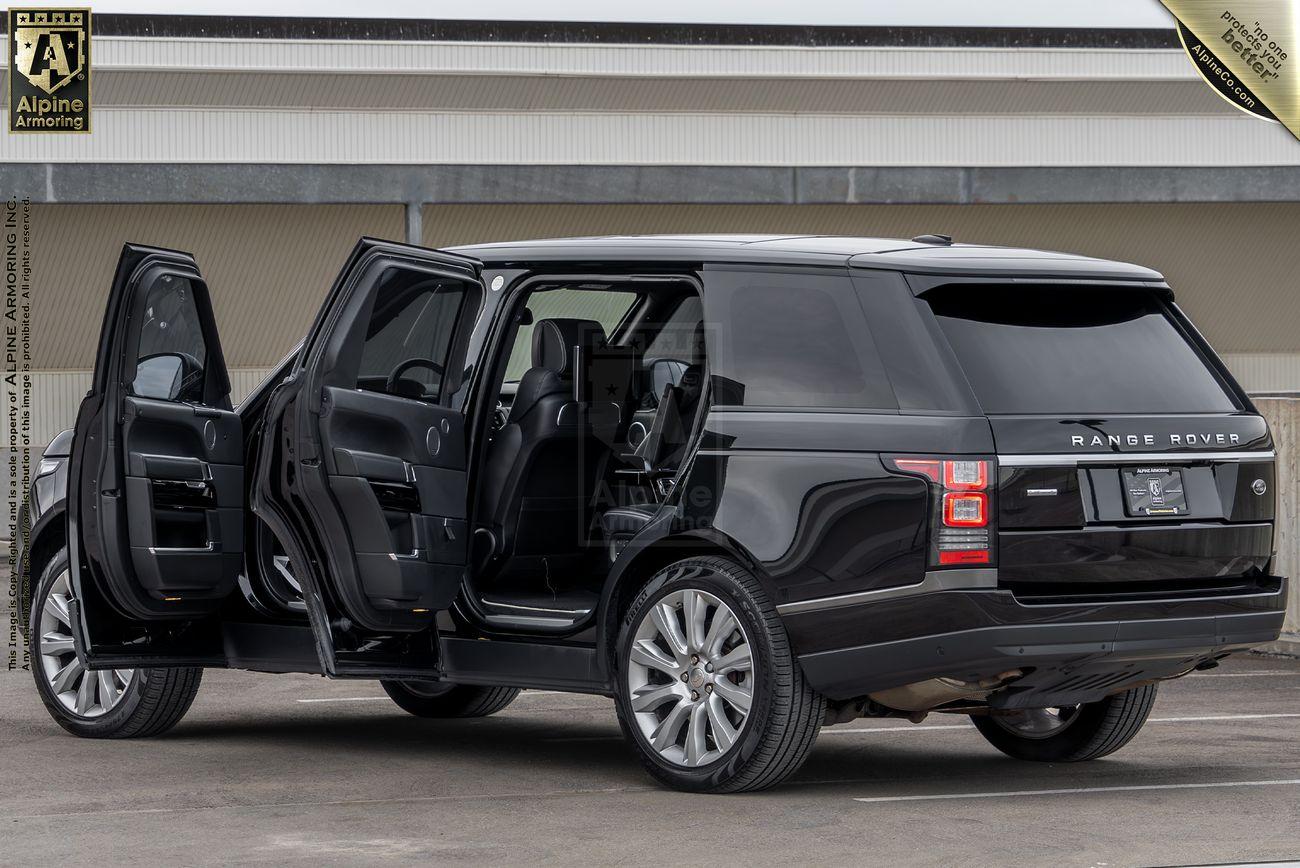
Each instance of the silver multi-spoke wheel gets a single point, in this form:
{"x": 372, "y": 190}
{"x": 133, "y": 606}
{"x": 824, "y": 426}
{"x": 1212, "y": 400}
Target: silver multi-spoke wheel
{"x": 690, "y": 677}
{"x": 79, "y": 690}
{"x": 1038, "y": 722}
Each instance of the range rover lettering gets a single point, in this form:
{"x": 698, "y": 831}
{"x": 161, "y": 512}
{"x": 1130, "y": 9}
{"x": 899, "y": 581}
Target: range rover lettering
{"x": 747, "y": 486}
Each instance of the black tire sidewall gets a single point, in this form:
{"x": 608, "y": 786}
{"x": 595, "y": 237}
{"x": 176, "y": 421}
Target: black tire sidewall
{"x": 456, "y": 700}
{"x": 694, "y": 573}
{"x": 107, "y": 724}
{"x": 1057, "y": 748}
{"x": 1091, "y": 735}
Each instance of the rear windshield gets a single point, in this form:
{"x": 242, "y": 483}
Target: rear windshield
{"x": 1055, "y": 350}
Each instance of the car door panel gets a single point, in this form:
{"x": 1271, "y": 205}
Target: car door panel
{"x": 397, "y": 469}
{"x": 156, "y": 480}
{"x": 184, "y": 497}
{"x": 368, "y": 485}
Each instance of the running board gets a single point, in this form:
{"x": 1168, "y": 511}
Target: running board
{"x": 501, "y": 662}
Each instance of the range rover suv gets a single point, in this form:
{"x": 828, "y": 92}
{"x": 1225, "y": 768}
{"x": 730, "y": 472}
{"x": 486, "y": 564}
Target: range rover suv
{"x": 747, "y": 486}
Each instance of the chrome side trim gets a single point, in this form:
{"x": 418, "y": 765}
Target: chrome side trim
{"x": 187, "y": 550}
{"x": 1131, "y": 458}
{"x": 935, "y": 580}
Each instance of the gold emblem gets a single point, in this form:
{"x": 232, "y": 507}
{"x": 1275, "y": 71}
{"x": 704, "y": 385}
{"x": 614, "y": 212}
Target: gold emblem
{"x": 50, "y": 47}
{"x": 49, "y": 70}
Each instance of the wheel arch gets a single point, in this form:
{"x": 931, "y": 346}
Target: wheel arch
{"x": 45, "y": 539}
{"x": 639, "y": 563}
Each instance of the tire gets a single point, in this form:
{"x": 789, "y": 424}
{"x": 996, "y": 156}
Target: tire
{"x": 440, "y": 699}
{"x": 771, "y": 740}
{"x": 148, "y": 702}
{"x": 1095, "y": 729}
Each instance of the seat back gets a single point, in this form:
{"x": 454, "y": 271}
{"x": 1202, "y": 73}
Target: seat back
{"x": 544, "y": 464}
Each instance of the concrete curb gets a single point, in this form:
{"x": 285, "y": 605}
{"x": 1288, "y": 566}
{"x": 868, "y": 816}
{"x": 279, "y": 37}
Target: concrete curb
{"x": 1286, "y": 646}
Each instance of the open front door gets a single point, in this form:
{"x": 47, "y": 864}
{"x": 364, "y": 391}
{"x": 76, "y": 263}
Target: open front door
{"x": 156, "y": 484}
{"x": 362, "y": 468}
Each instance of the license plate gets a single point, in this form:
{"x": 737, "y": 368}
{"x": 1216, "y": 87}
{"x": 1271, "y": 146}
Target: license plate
{"x": 1154, "y": 491}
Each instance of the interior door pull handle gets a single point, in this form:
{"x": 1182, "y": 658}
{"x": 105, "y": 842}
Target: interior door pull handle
{"x": 207, "y": 412}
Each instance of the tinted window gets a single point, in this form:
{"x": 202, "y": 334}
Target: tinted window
{"x": 791, "y": 340}
{"x": 171, "y": 354}
{"x": 409, "y": 337}
{"x": 1074, "y": 351}
{"x": 607, "y": 307}
{"x": 676, "y": 339}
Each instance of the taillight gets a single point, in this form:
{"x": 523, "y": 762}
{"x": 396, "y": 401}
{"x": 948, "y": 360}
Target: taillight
{"x": 965, "y": 509}
{"x": 960, "y": 532}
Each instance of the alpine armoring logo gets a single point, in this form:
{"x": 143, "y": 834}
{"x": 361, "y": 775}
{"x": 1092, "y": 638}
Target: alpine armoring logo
{"x": 49, "y": 70}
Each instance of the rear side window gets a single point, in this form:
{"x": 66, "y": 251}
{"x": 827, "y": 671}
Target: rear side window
{"x": 1081, "y": 352}
{"x": 797, "y": 339}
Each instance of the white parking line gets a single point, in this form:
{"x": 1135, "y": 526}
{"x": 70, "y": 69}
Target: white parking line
{"x": 374, "y": 698}
{"x": 1149, "y": 720}
{"x": 1221, "y": 717}
{"x": 940, "y": 727}
{"x": 1272, "y": 673}
{"x": 1076, "y": 790}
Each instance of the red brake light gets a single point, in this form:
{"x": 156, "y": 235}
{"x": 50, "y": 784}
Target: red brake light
{"x": 927, "y": 467}
{"x": 966, "y": 509}
{"x": 968, "y": 556}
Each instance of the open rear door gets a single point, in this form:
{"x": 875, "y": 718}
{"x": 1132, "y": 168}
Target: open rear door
{"x": 156, "y": 484}
{"x": 362, "y": 465}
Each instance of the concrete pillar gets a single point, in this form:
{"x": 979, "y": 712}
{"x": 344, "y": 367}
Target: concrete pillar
{"x": 1283, "y": 415}
{"x": 414, "y": 223}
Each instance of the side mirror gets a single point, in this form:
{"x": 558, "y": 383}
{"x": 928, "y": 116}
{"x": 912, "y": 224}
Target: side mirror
{"x": 162, "y": 376}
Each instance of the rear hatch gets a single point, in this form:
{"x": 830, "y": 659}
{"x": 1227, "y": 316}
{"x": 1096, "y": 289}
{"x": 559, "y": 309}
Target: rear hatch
{"x": 1131, "y": 465}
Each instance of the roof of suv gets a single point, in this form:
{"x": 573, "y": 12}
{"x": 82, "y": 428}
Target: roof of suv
{"x": 890, "y": 253}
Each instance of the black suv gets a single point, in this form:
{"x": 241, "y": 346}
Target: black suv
{"x": 747, "y": 486}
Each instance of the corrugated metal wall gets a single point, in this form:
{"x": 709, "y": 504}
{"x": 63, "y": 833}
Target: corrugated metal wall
{"x": 212, "y": 135}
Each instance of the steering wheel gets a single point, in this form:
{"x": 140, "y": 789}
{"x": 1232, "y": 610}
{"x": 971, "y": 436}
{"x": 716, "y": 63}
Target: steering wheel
{"x": 406, "y": 366}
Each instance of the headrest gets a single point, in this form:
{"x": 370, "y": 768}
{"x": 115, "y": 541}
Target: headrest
{"x": 554, "y": 340}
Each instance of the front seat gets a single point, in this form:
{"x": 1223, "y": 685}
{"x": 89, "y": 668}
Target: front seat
{"x": 543, "y": 464}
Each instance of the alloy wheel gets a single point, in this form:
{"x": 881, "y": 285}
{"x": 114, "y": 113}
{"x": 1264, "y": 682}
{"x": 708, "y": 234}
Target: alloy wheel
{"x": 690, "y": 678}
{"x": 1038, "y": 722}
{"x": 80, "y": 691}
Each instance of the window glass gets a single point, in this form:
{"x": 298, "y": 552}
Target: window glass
{"x": 410, "y": 334}
{"x": 792, "y": 340}
{"x": 607, "y": 307}
{"x": 171, "y": 354}
{"x": 1081, "y": 352}
{"x": 676, "y": 340}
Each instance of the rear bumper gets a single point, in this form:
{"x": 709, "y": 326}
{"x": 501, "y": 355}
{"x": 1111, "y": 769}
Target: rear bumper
{"x": 1071, "y": 653}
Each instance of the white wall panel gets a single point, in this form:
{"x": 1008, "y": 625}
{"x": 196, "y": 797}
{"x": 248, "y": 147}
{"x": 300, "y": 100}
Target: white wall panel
{"x": 492, "y": 58}
{"x": 252, "y": 136}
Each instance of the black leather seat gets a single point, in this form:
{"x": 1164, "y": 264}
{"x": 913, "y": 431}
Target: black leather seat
{"x": 543, "y": 465}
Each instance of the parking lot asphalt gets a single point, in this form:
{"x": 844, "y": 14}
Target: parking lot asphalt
{"x": 294, "y": 768}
